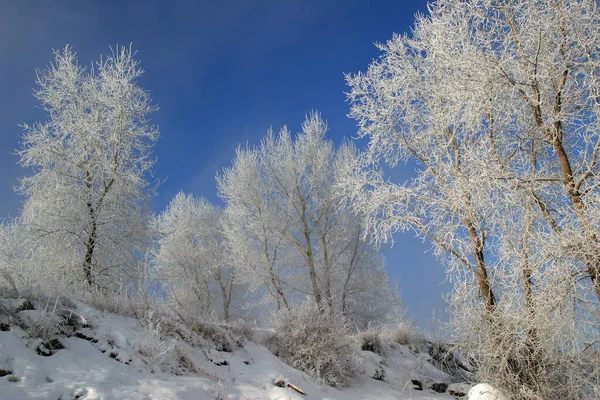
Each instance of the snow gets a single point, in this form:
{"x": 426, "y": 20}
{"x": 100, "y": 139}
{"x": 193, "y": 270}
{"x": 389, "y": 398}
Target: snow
{"x": 483, "y": 391}
{"x": 115, "y": 357}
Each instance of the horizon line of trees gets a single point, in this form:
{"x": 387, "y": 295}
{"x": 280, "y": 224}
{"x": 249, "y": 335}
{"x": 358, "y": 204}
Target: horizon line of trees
{"x": 86, "y": 224}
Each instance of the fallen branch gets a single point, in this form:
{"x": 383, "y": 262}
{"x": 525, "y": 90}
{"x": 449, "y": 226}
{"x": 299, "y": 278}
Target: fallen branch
{"x": 297, "y": 389}
{"x": 281, "y": 383}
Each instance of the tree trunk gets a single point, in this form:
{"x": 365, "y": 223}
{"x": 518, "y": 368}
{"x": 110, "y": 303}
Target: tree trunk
{"x": 274, "y": 280}
{"x": 350, "y": 271}
{"x": 229, "y": 295}
{"x": 226, "y": 301}
{"x": 308, "y": 252}
{"x": 591, "y": 255}
{"x": 310, "y": 261}
{"x": 484, "y": 286}
{"x": 90, "y": 246}
{"x": 481, "y": 269}
{"x": 531, "y": 373}
{"x": 225, "y": 292}
{"x": 326, "y": 271}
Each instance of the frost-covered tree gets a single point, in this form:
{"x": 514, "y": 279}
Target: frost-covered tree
{"x": 538, "y": 64}
{"x": 191, "y": 256}
{"x": 253, "y": 233}
{"x": 409, "y": 116}
{"x": 12, "y": 260}
{"x": 86, "y": 200}
{"x": 496, "y": 103}
{"x": 287, "y": 231}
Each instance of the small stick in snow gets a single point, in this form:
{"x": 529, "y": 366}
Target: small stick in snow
{"x": 297, "y": 389}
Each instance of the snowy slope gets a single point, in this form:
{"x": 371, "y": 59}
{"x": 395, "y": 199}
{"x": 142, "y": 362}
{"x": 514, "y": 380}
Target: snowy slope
{"x": 107, "y": 356}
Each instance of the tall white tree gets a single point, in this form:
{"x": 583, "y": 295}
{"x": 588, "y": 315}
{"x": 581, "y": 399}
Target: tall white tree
{"x": 408, "y": 114}
{"x": 191, "y": 256}
{"x": 287, "y": 230}
{"x": 496, "y": 103}
{"x": 253, "y": 232}
{"x": 86, "y": 201}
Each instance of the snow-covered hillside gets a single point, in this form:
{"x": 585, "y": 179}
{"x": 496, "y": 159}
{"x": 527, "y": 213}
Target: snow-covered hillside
{"x": 75, "y": 351}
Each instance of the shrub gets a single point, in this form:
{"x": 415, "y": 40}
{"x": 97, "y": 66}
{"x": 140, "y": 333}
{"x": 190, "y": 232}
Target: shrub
{"x": 158, "y": 345}
{"x": 49, "y": 319}
{"x": 161, "y": 325}
{"x": 213, "y": 333}
{"x": 405, "y": 333}
{"x": 158, "y": 352}
{"x": 114, "y": 302}
{"x": 270, "y": 341}
{"x": 241, "y": 331}
{"x": 314, "y": 341}
{"x": 371, "y": 341}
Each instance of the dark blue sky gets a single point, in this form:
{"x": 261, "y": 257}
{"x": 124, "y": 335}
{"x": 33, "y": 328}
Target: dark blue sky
{"x": 222, "y": 72}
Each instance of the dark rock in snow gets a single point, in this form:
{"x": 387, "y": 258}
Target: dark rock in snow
{"x": 371, "y": 342}
{"x": 72, "y": 320}
{"x": 26, "y": 305}
{"x": 379, "y": 374}
{"x": 54, "y": 344}
{"x": 439, "y": 387}
{"x": 417, "y": 385}
{"x": 46, "y": 349}
{"x": 84, "y": 337}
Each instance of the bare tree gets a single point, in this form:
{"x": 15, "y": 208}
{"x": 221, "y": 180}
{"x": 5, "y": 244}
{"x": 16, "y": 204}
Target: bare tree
{"x": 87, "y": 198}
{"x": 254, "y": 235}
{"x": 191, "y": 256}
{"x": 287, "y": 230}
{"x": 495, "y": 102}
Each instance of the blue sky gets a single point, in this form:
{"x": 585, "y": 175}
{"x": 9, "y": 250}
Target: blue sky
{"x": 222, "y": 73}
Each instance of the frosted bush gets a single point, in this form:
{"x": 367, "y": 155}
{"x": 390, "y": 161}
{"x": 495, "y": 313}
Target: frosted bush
{"x": 219, "y": 337}
{"x": 241, "y": 331}
{"x": 157, "y": 347}
{"x": 315, "y": 342}
{"x": 403, "y": 333}
{"x": 158, "y": 352}
{"x": 371, "y": 341}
